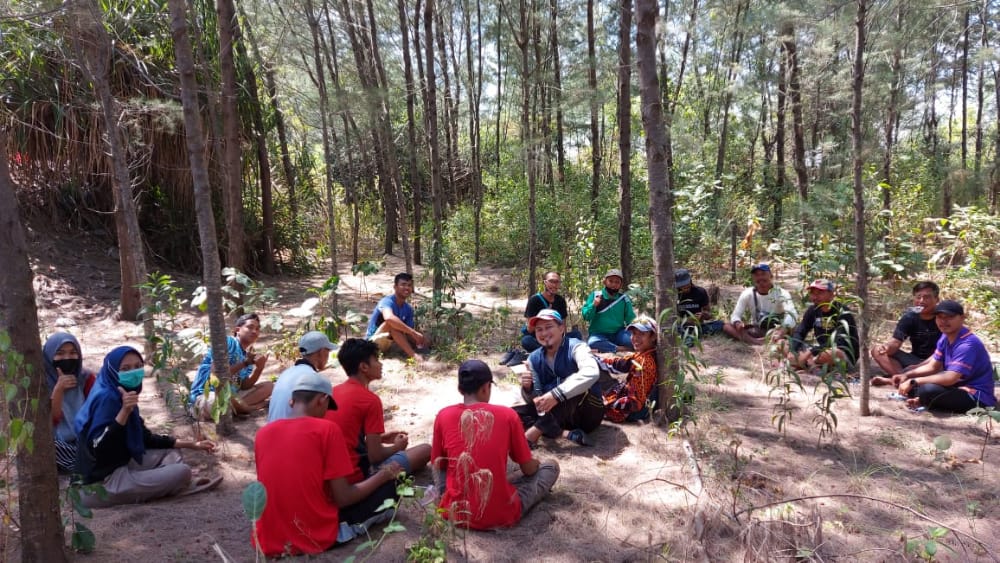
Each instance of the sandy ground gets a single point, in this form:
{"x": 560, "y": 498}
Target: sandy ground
{"x": 638, "y": 495}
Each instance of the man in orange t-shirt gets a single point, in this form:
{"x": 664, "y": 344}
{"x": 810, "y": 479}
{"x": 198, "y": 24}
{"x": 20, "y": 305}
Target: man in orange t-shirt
{"x": 472, "y": 441}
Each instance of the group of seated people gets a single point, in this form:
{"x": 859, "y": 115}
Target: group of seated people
{"x": 347, "y": 462}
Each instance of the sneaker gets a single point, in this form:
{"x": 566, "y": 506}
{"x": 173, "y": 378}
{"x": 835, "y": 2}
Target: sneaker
{"x": 517, "y": 357}
{"x": 506, "y": 357}
{"x": 580, "y": 437}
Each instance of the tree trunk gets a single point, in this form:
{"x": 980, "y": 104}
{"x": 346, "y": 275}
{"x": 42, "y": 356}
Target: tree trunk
{"x": 418, "y": 194}
{"x": 475, "y": 94}
{"x": 625, "y": 137}
{"x": 861, "y": 260}
{"x": 965, "y": 91}
{"x": 432, "y": 137}
{"x": 211, "y": 266}
{"x": 659, "y": 165}
{"x": 449, "y": 133}
{"x": 727, "y": 98}
{"x": 37, "y": 485}
{"x": 795, "y": 96}
{"x": 95, "y": 48}
{"x": 595, "y": 135}
{"x": 892, "y": 112}
{"x": 522, "y": 39}
{"x": 779, "y": 142}
{"x": 979, "y": 97}
{"x": 232, "y": 168}
{"x": 557, "y": 88}
{"x": 411, "y": 129}
{"x": 328, "y": 159}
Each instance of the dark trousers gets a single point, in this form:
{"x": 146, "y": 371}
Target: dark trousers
{"x": 584, "y": 411}
{"x": 951, "y": 399}
{"x": 363, "y": 510}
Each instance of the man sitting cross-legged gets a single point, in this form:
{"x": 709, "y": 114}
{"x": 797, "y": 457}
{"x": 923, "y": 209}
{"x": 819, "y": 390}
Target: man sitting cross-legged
{"x": 761, "y": 308}
{"x": 832, "y": 324}
{"x": 959, "y": 376}
{"x": 919, "y": 325}
{"x": 303, "y": 464}
{"x": 472, "y": 442}
{"x": 360, "y": 416}
{"x": 561, "y": 390}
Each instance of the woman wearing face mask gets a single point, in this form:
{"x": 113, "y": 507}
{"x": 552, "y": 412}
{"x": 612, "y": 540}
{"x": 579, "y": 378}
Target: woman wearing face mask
{"x": 117, "y": 450}
{"x": 69, "y": 384}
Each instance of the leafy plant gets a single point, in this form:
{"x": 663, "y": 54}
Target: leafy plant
{"x": 989, "y": 415}
{"x": 926, "y": 546}
{"x": 254, "y": 499}
{"x": 239, "y": 293}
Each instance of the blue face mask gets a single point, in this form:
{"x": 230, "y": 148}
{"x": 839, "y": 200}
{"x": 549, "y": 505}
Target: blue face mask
{"x": 132, "y": 378}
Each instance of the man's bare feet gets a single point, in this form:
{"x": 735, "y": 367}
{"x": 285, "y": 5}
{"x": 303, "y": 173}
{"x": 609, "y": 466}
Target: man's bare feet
{"x": 879, "y": 381}
{"x": 913, "y": 403}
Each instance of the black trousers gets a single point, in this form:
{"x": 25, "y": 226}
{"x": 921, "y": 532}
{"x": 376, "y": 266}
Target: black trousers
{"x": 939, "y": 398}
{"x": 584, "y": 411}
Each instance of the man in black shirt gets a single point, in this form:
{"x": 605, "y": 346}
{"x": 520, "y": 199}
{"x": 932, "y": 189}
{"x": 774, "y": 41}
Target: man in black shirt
{"x": 547, "y": 298}
{"x": 832, "y": 323}
{"x": 919, "y": 326}
{"x": 693, "y": 308}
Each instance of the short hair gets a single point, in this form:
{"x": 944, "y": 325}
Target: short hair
{"x": 354, "y": 351}
{"x": 920, "y": 286}
{"x": 547, "y": 274}
{"x": 402, "y": 276}
{"x": 304, "y": 396}
{"x": 244, "y": 319}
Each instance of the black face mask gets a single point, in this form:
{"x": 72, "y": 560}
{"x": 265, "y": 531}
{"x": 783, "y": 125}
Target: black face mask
{"x": 69, "y": 366}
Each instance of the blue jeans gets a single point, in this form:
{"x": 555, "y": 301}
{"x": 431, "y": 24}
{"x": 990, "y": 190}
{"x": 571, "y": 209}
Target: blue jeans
{"x": 610, "y": 342}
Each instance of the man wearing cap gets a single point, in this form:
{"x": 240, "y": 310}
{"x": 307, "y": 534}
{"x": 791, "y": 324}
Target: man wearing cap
{"x": 693, "y": 308}
{"x": 561, "y": 391}
{"x": 919, "y": 326}
{"x": 547, "y": 298}
{"x": 303, "y": 464}
{"x": 315, "y": 348}
{"x": 392, "y": 321}
{"x": 360, "y": 416}
{"x": 832, "y": 324}
{"x": 626, "y": 400}
{"x": 761, "y": 308}
{"x": 609, "y": 311}
{"x": 472, "y": 442}
{"x": 959, "y": 375}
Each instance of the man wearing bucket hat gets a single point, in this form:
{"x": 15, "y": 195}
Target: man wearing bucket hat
{"x": 561, "y": 390}
{"x": 315, "y": 349}
{"x": 609, "y": 310}
{"x": 472, "y": 442}
{"x": 761, "y": 308}
{"x": 959, "y": 375}
{"x": 303, "y": 463}
{"x": 627, "y": 400}
{"x": 832, "y": 324}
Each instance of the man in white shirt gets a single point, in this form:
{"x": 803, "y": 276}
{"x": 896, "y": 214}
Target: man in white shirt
{"x": 315, "y": 348}
{"x": 761, "y": 308}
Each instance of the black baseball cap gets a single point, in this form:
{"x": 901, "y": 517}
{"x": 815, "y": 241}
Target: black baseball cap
{"x": 949, "y": 307}
{"x": 472, "y": 374}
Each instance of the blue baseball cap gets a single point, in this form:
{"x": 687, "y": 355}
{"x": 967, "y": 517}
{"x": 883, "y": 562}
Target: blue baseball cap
{"x": 545, "y": 314}
{"x": 760, "y": 268}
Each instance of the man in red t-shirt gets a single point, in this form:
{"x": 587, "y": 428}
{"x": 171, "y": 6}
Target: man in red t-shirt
{"x": 360, "y": 417}
{"x": 472, "y": 441}
{"x": 303, "y": 464}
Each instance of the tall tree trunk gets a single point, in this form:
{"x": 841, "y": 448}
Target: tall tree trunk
{"x": 995, "y": 175}
{"x": 411, "y": 128}
{"x": 263, "y": 158}
{"x": 981, "y": 74}
{"x": 795, "y": 97}
{"x": 861, "y": 260}
{"x": 736, "y": 50}
{"x": 965, "y": 91}
{"x": 328, "y": 159}
{"x": 475, "y": 94}
{"x": 625, "y": 137}
{"x": 557, "y": 89}
{"x": 449, "y": 138}
{"x": 595, "y": 135}
{"x": 40, "y": 521}
{"x": 779, "y": 142}
{"x": 432, "y": 138}
{"x": 659, "y": 165}
{"x": 232, "y": 168}
{"x": 522, "y": 38}
{"x": 892, "y": 112}
{"x": 279, "y": 122}
{"x": 95, "y": 48}
{"x": 194, "y": 137}
{"x": 418, "y": 197}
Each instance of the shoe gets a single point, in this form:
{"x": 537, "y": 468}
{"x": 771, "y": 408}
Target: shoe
{"x": 517, "y": 356}
{"x": 579, "y": 436}
{"x": 506, "y": 357}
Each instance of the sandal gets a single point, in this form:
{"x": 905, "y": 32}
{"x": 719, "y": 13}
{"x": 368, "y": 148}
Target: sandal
{"x": 201, "y": 484}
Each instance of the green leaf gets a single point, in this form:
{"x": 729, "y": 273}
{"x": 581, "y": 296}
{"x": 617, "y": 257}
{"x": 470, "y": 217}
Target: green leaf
{"x": 942, "y": 443}
{"x": 386, "y": 505}
{"x": 369, "y": 544}
{"x": 930, "y": 547}
{"x": 80, "y": 509}
{"x": 937, "y": 532}
{"x": 405, "y": 490}
{"x": 394, "y": 526}
{"x": 82, "y": 540}
{"x": 254, "y": 499}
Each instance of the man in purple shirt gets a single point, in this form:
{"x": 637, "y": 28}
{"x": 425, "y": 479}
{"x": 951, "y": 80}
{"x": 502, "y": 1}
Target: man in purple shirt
{"x": 959, "y": 375}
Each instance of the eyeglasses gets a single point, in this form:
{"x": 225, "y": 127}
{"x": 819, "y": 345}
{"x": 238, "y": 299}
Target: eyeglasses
{"x": 554, "y": 282}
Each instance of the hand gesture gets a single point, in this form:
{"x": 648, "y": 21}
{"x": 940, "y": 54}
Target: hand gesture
{"x": 258, "y": 361}
{"x": 389, "y": 471}
{"x": 598, "y": 299}
{"x": 401, "y": 440}
{"x": 526, "y": 381}
{"x": 65, "y": 381}
{"x": 204, "y": 445}
{"x": 130, "y": 399}
{"x": 545, "y": 403}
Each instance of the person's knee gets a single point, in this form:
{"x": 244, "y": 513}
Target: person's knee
{"x": 418, "y": 456}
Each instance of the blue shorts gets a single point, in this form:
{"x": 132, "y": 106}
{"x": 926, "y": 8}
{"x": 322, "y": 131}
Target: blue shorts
{"x": 398, "y": 457}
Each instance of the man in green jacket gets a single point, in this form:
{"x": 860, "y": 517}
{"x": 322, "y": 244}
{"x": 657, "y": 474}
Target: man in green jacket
{"x": 609, "y": 311}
